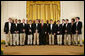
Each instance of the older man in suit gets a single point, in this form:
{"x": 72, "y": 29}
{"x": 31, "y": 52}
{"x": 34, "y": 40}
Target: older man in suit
{"x": 8, "y": 29}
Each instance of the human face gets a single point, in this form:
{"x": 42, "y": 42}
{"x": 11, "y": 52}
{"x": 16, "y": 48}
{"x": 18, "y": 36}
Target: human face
{"x": 36, "y": 21}
{"x": 15, "y": 20}
{"x": 51, "y": 22}
{"x": 58, "y": 22}
{"x": 23, "y": 20}
{"x": 63, "y": 21}
{"x": 77, "y": 19}
{"x": 66, "y": 21}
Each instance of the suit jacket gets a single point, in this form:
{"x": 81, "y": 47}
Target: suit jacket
{"x": 73, "y": 28}
{"x": 68, "y": 28}
{"x": 22, "y": 27}
{"x": 63, "y": 28}
{"x": 29, "y": 28}
{"x": 58, "y": 28}
{"x": 16, "y": 28}
{"x": 53, "y": 29}
{"x": 47, "y": 27}
{"x": 79, "y": 27}
{"x": 6, "y": 28}
{"x": 36, "y": 28}
{"x": 43, "y": 28}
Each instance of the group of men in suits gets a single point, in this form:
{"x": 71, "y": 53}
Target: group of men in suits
{"x": 37, "y": 33}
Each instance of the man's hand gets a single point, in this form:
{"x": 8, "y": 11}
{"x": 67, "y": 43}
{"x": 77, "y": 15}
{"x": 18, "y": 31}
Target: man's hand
{"x": 29, "y": 30}
{"x": 54, "y": 33}
{"x": 36, "y": 31}
{"x": 23, "y": 30}
{"x": 65, "y": 30}
{"x": 45, "y": 32}
{"x": 58, "y": 31}
{"x": 76, "y": 31}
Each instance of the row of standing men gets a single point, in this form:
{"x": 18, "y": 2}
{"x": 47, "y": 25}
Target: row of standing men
{"x": 43, "y": 33}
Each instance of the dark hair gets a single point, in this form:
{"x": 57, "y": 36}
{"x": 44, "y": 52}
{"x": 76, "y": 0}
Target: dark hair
{"x": 51, "y": 20}
{"x": 73, "y": 19}
{"x": 63, "y": 19}
{"x": 78, "y": 18}
{"x": 19, "y": 20}
{"x": 30, "y": 20}
{"x": 36, "y": 19}
{"x": 67, "y": 20}
{"x": 58, "y": 20}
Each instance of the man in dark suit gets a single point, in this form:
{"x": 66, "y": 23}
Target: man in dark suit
{"x": 36, "y": 31}
{"x": 16, "y": 33}
{"x": 43, "y": 33}
{"x": 73, "y": 31}
{"x": 59, "y": 32}
{"x": 67, "y": 35}
{"x": 63, "y": 30}
{"x": 8, "y": 29}
{"x": 51, "y": 32}
{"x": 47, "y": 36}
{"x": 26, "y": 33}
{"x": 78, "y": 31}
{"x": 22, "y": 32}
{"x": 29, "y": 30}
{"x": 19, "y": 22}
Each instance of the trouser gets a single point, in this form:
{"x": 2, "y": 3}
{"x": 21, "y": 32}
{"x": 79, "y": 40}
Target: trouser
{"x": 42, "y": 39}
{"x": 59, "y": 39}
{"x": 15, "y": 39}
{"x": 73, "y": 38}
{"x": 78, "y": 36}
{"x": 8, "y": 38}
{"x": 36, "y": 38}
{"x": 51, "y": 39}
{"x": 62, "y": 39}
{"x": 67, "y": 39}
{"x": 22, "y": 38}
{"x": 29, "y": 39}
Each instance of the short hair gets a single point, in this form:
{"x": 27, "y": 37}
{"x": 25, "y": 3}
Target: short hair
{"x": 15, "y": 19}
{"x": 51, "y": 20}
{"x": 36, "y": 19}
{"x": 78, "y": 18}
{"x": 10, "y": 18}
{"x": 30, "y": 20}
{"x": 73, "y": 19}
{"x": 19, "y": 20}
{"x": 67, "y": 20}
{"x": 58, "y": 20}
{"x": 63, "y": 19}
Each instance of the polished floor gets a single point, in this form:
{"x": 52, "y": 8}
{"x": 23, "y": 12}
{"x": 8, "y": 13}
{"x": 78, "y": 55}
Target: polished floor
{"x": 43, "y": 50}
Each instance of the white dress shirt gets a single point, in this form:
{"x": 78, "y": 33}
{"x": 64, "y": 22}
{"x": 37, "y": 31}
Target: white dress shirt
{"x": 66, "y": 24}
{"x": 62, "y": 24}
{"x": 30, "y": 26}
{"x": 51, "y": 26}
{"x": 58, "y": 25}
{"x": 36, "y": 25}
{"x": 23, "y": 24}
{"x": 16, "y": 24}
{"x": 76, "y": 23}
{"x": 9, "y": 26}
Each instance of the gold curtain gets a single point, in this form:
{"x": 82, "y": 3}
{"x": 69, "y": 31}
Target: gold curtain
{"x": 45, "y": 10}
